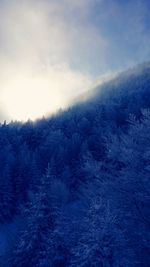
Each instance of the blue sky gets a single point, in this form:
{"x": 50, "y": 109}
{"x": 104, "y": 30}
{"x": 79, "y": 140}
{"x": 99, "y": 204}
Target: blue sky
{"x": 56, "y": 49}
{"x": 125, "y": 28}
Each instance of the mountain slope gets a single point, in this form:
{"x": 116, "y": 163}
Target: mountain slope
{"x": 79, "y": 181}
{"x": 128, "y": 91}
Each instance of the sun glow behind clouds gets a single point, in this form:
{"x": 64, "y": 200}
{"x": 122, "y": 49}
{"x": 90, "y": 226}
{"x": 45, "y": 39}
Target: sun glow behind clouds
{"x": 32, "y": 96}
{"x": 26, "y": 98}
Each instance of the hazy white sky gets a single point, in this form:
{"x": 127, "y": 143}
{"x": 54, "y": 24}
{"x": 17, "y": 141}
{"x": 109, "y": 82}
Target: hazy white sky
{"x": 52, "y": 50}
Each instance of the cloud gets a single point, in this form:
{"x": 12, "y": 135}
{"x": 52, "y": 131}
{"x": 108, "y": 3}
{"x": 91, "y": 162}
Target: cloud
{"x": 48, "y": 41}
{"x": 49, "y": 31}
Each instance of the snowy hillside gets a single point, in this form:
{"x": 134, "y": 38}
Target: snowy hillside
{"x": 75, "y": 188}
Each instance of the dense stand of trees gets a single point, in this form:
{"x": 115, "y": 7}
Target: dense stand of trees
{"x": 79, "y": 181}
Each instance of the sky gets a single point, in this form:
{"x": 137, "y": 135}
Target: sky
{"x": 53, "y": 50}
